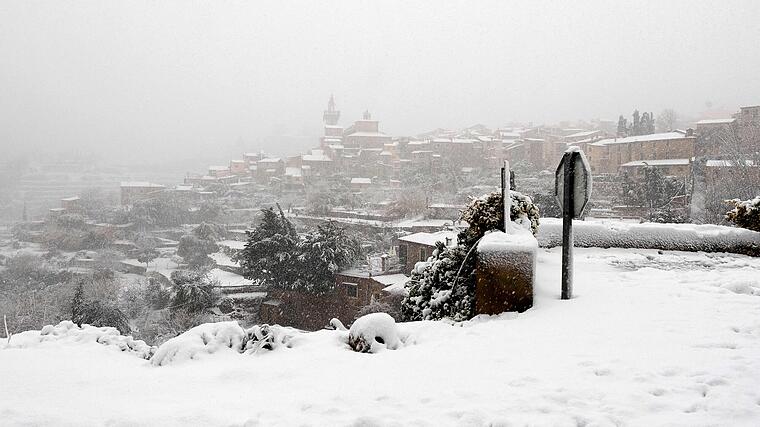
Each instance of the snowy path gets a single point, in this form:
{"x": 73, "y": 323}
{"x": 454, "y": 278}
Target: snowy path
{"x": 650, "y": 339}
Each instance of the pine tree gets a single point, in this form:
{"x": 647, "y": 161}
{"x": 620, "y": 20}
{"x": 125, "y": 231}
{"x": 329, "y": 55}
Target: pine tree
{"x": 78, "y": 302}
{"x": 322, "y": 253}
{"x": 277, "y": 256}
{"x": 270, "y": 251}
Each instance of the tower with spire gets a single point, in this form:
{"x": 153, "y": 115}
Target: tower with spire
{"x": 331, "y": 115}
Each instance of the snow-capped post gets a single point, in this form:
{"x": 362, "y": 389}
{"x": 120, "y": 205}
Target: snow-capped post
{"x": 505, "y": 195}
{"x": 572, "y": 189}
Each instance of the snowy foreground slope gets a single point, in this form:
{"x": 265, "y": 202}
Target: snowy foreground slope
{"x": 649, "y": 339}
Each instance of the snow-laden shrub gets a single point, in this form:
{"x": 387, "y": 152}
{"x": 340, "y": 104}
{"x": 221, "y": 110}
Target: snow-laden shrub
{"x": 68, "y": 331}
{"x": 266, "y": 337}
{"x": 373, "y": 332}
{"x": 745, "y": 213}
{"x": 435, "y": 290}
{"x": 200, "y": 341}
{"x": 444, "y": 285}
{"x": 487, "y": 213}
{"x": 193, "y": 290}
{"x": 97, "y": 312}
{"x": 222, "y": 337}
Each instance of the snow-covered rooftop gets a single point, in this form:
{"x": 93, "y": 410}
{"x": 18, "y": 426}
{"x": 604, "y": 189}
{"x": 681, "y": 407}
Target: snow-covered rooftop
{"x": 430, "y": 239}
{"x": 726, "y": 163}
{"x": 583, "y": 134}
{"x": 361, "y": 180}
{"x": 641, "y": 138}
{"x": 142, "y": 184}
{"x": 366, "y": 134}
{"x": 716, "y": 121}
{"x": 293, "y": 171}
{"x": 391, "y": 279}
{"x": 316, "y": 156}
{"x": 657, "y": 162}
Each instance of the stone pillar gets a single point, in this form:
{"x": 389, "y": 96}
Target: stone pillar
{"x": 505, "y": 272}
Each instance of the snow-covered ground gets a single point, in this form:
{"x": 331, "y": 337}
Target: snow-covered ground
{"x": 648, "y": 339}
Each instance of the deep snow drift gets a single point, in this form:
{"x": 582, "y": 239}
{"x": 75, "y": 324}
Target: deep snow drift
{"x": 648, "y": 339}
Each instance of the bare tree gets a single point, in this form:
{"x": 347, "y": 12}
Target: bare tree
{"x": 666, "y": 120}
{"x": 730, "y": 166}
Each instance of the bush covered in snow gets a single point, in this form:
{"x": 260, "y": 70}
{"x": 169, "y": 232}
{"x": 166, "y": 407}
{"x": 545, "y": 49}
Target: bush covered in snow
{"x": 97, "y": 312}
{"x": 192, "y": 291}
{"x": 266, "y": 337}
{"x": 444, "y": 286}
{"x": 373, "y": 332}
{"x": 222, "y": 337}
{"x": 745, "y": 213}
{"x": 205, "y": 339}
{"x": 437, "y": 288}
{"x": 68, "y": 331}
{"x": 487, "y": 213}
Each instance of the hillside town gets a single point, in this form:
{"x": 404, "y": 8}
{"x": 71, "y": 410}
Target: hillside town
{"x": 398, "y": 195}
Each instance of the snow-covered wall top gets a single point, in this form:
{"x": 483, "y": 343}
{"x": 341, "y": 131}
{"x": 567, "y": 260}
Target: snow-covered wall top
{"x": 676, "y": 237}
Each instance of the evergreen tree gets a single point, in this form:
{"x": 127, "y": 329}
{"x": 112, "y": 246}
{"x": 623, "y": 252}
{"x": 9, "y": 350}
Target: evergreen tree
{"x": 622, "y": 127}
{"x": 146, "y": 255}
{"x": 270, "y": 251}
{"x": 323, "y": 253}
{"x": 636, "y": 130}
{"x": 192, "y": 291}
{"x": 195, "y": 250}
{"x": 97, "y": 313}
{"x": 275, "y": 254}
{"x": 78, "y": 302}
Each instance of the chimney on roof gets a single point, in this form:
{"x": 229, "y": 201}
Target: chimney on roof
{"x": 689, "y": 132}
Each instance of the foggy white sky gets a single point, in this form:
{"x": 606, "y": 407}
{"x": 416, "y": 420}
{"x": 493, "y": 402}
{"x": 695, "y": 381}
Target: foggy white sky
{"x": 154, "y": 77}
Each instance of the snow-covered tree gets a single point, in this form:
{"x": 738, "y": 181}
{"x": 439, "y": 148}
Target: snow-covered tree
{"x": 192, "y": 291}
{"x": 277, "y": 256}
{"x": 322, "y": 253}
{"x": 269, "y": 253}
{"x": 97, "y": 312}
{"x": 622, "y": 127}
{"x": 195, "y": 250}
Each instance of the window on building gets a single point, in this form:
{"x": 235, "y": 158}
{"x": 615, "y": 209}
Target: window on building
{"x": 352, "y": 289}
{"x": 402, "y": 254}
{"x": 422, "y": 254}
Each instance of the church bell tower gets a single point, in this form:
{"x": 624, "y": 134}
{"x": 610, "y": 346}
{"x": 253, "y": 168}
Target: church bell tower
{"x": 331, "y": 115}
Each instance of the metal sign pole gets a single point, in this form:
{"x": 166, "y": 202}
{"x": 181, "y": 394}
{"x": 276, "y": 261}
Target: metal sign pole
{"x": 505, "y": 195}
{"x": 568, "y": 205}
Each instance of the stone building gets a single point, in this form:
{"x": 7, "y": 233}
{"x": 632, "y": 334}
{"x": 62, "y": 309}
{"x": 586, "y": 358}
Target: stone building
{"x": 134, "y": 191}
{"x": 419, "y": 247}
{"x": 607, "y": 155}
